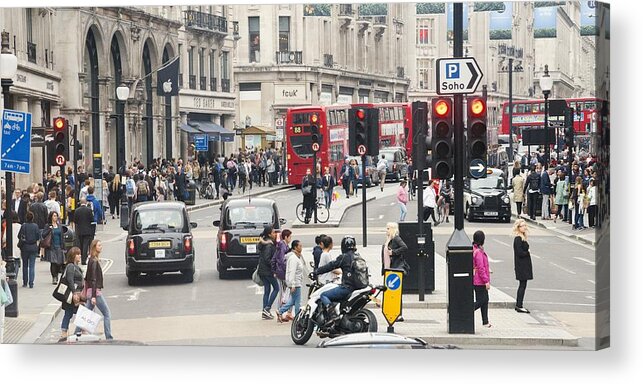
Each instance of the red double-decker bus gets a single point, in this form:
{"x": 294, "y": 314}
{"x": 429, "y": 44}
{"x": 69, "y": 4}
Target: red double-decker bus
{"x": 394, "y": 127}
{"x": 531, "y": 114}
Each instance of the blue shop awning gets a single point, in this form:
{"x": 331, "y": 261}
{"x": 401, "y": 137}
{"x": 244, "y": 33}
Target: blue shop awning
{"x": 189, "y": 129}
{"x": 214, "y": 131}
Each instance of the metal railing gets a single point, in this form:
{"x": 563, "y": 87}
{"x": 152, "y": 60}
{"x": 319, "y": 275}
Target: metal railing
{"x": 213, "y": 83}
{"x": 202, "y": 83}
{"x": 31, "y": 52}
{"x": 289, "y": 57}
{"x": 201, "y": 20}
{"x": 225, "y": 85}
{"x": 192, "y": 79}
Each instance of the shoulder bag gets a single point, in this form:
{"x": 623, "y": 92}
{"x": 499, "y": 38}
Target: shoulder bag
{"x": 63, "y": 292}
{"x": 255, "y": 277}
{"x": 45, "y": 242}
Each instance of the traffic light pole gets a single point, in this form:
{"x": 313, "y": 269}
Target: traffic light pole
{"x": 75, "y": 167}
{"x": 315, "y": 185}
{"x": 364, "y": 199}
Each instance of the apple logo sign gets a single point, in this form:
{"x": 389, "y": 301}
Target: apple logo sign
{"x": 167, "y": 86}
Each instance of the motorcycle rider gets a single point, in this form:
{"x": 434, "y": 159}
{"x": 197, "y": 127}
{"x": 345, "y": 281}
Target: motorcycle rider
{"x": 343, "y": 261}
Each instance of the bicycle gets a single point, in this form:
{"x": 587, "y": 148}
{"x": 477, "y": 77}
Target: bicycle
{"x": 323, "y": 214}
{"x": 205, "y": 190}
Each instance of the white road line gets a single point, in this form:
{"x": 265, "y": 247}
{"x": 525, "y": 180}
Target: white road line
{"x": 586, "y": 261}
{"x": 502, "y": 242}
{"x": 564, "y": 269}
{"x": 380, "y": 217}
{"x": 536, "y": 256}
{"x": 592, "y": 281}
{"x": 553, "y": 290}
{"x": 494, "y": 260}
{"x": 392, "y": 204}
{"x": 569, "y": 239}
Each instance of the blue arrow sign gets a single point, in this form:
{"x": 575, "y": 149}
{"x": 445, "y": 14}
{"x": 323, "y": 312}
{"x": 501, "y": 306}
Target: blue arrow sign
{"x": 393, "y": 282}
{"x": 477, "y": 168}
{"x": 201, "y": 142}
{"x": 16, "y": 142}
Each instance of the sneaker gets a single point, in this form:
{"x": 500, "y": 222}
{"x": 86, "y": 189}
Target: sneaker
{"x": 488, "y": 325}
{"x": 266, "y": 315}
{"x": 522, "y": 310}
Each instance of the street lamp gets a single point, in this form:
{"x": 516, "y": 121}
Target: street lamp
{"x": 546, "y": 82}
{"x": 8, "y": 70}
{"x": 510, "y": 53}
{"x": 122, "y": 94}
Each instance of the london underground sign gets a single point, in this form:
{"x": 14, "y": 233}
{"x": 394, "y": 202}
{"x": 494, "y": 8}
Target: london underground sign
{"x": 458, "y": 75}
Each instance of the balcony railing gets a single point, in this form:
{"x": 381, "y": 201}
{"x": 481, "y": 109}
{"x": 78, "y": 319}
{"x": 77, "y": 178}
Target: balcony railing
{"x": 31, "y": 52}
{"x": 328, "y": 60}
{"x": 213, "y": 83}
{"x": 289, "y": 57}
{"x": 206, "y": 22}
{"x": 225, "y": 85}
{"x": 376, "y": 20}
{"x": 400, "y": 72}
{"x": 202, "y": 83}
{"x": 192, "y": 79}
{"x": 346, "y": 10}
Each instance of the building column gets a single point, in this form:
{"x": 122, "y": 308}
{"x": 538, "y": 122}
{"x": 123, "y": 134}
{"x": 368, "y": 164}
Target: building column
{"x": 37, "y": 153}
{"x": 184, "y": 137}
{"x": 23, "y": 180}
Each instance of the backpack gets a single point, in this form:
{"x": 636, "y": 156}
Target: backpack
{"x": 142, "y": 187}
{"x": 129, "y": 187}
{"x": 359, "y": 272}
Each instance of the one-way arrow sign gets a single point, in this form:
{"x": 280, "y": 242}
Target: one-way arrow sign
{"x": 477, "y": 169}
{"x": 458, "y": 75}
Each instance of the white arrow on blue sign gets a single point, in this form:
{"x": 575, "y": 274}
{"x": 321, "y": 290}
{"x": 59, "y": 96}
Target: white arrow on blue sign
{"x": 16, "y": 142}
{"x": 477, "y": 168}
{"x": 458, "y": 75}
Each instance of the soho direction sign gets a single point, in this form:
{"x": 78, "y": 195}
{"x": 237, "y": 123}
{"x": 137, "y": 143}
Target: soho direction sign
{"x": 459, "y": 75}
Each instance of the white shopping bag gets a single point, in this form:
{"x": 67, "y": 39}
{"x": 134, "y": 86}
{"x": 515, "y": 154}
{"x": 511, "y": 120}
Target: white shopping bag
{"x": 87, "y": 319}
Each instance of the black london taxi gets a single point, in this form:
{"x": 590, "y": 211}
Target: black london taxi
{"x": 159, "y": 240}
{"x": 487, "y": 198}
{"x": 239, "y": 229}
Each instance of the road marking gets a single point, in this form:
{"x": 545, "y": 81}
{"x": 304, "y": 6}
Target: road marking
{"x": 135, "y": 294}
{"x": 586, "y": 261}
{"x": 536, "y": 256}
{"x": 392, "y": 204}
{"x": 569, "y": 239}
{"x": 564, "y": 269}
{"x": 592, "y": 281}
{"x": 494, "y": 260}
{"x": 380, "y": 217}
{"x": 502, "y": 242}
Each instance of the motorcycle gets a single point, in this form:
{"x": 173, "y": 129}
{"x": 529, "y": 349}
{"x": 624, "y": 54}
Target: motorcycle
{"x": 350, "y": 316}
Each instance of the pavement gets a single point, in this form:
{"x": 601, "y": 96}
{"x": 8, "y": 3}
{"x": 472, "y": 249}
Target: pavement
{"x": 427, "y": 319}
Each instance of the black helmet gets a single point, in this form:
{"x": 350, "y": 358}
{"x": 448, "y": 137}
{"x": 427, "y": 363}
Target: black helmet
{"x": 348, "y": 244}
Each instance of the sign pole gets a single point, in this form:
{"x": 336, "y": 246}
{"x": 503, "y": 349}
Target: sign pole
{"x": 364, "y": 234}
{"x": 315, "y": 186}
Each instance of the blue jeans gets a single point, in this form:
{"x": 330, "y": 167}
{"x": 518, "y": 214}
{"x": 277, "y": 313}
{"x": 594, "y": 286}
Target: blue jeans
{"x": 104, "y": 310}
{"x": 295, "y": 299}
{"x": 69, "y": 313}
{"x": 336, "y": 294}
{"x": 403, "y": 211}
{"x": 328, "y": 196}
{"x": 28, "y": 268}
{"x": 270, "y": 291}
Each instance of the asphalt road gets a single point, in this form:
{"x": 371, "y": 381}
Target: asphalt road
{"x": 163, "y": 310}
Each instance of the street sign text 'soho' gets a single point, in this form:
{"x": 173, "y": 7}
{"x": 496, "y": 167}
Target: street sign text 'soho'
{"x": 458, "y": 75}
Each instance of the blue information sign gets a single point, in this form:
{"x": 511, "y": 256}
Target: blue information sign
{"x": 477, "y": 169}
{"x": 201, "y": 142}
{"x": 393, "y": 282}
{"x": 16, "y": 142}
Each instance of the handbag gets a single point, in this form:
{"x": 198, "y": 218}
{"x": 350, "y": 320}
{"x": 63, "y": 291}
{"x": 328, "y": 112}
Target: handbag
{"x": 63, "y": 292}
{"x": 87, "y": 319}
{"x": 45, "y": 242}
{"x": 255, "y": 277}
{"x": 307, "y": 189}
{"x": 4, "y": 297}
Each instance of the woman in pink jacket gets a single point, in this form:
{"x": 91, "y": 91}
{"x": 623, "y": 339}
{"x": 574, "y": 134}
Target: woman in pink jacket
{"x": 402, "y": 199}
{"x": 481, "y": 277}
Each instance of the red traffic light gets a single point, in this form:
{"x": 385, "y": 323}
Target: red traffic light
{"x": 60, "y": 123}
{"x": 314, "y": 118}
{"x": 477, "y": 107}
{"x": 360, "y": 114}
{"x": 442, "y": 108}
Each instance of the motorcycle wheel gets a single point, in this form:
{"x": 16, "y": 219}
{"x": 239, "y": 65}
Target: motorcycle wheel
{"x": 302, "y": 327}
{"x": 367, "y": 319}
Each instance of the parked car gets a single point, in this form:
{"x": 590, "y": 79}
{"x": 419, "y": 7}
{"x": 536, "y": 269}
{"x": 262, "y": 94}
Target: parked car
{"x": 396, "y": 167}
{"x": 239, "y": 229}
{"x": 487, "y": 198}
{"x": 159, "y": 240}
{"x": 372, "y": 178}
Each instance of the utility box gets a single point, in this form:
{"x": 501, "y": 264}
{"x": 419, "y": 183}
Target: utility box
{"x": 409, "y": 234}
{"x": 460, "y": 283}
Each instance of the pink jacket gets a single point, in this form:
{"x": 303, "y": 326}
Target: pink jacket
{"x": 402, "y": 195}
{"x": 480, "y": 266}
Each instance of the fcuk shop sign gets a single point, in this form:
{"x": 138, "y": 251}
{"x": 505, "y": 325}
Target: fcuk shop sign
{"x": 291, "y": 94}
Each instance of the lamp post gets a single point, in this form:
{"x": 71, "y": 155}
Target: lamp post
{"x": 510, "y": 53}
{"x": 122, "y": 94}
{"x": 546, "y": 82}
{"x": 8, "y": 69}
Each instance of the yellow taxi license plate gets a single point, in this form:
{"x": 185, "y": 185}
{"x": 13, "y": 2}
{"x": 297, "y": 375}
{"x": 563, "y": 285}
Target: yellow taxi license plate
{"x": 247, "y": 240}
{"x": 159, "y": 244}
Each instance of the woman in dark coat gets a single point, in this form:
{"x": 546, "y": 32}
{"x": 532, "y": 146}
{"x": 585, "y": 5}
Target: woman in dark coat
{"x": 522, "y": 262}
{"x": 309, "y": 194}
{"x": 266, "y": 248}
{"x": 30, "y": 234}
{"x": 55, "y": 254}
{"x": 394, "y": 250}
{"x": 73, "y": 275}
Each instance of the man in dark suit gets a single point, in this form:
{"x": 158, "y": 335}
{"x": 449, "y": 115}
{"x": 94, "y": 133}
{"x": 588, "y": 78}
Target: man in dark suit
{"x": 328, "y": 183}
{"x": 85, "y": 229}
{"x": 179, "y": 182}
{"x": 19, "y": 205}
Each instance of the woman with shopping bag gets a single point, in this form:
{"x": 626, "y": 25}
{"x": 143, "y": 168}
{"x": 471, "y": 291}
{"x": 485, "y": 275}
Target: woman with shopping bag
{"x": 73, "y": 277}
{"x": 94, "y": 283}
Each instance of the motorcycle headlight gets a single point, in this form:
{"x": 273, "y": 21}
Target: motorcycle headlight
{"x": 475, "y": 200}
{"x": 505, "y": 199}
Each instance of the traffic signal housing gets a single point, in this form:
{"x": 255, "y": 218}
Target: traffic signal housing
{"x": 569, "y": 128}
{"x": 442, "y": 150}
{"x": 363, "y": 130}
{"x": 78, "y": 148}
{"x": 477, "y": 131}
{"x": 315, "y": 136}
{"x": 60, "y": 154}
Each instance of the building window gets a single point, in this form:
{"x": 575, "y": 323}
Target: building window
{"x": 425, "y": 32}
{"x": 29, "y": 25}
{"x": 225, "y": 79}
{"x": 284, "y": 33}
{"x": 213, "y": 70}
{"x": 254, "y": 39}
{"x": 425, "y": 73}
{"x": 191, "y": 75}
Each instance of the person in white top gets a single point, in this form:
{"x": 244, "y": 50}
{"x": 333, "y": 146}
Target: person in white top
{"x": 430, "y": 203}
{"x": 51, "y": 204}
{"x": 591, "y": 209}
{"x": 334, "y": 276}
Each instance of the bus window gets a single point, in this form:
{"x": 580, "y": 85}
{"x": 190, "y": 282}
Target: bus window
{"x": 521, "y": 108}
{"x": 507, "y": 110}
{"x": 590, "y": 105}
{"x": 337, "y": 152}
{"x": 301, "y": 118}
{"x": 542, "y": 107}
{"x": 302, "y": 146}
{"x": 534, "y": 108}
{"x": 333, "y": 118}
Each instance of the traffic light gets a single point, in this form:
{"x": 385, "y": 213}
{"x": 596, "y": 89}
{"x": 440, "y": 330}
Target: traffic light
{"x": 569, "y": 128}
{"x": 314, "y": 129}
{"x": 78, "y": 147}
{"x": 357, "y": 130}
{"x": 442, "y": 138}
{"x": 60, "y": 154}
{"x": 477, "y": 134}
